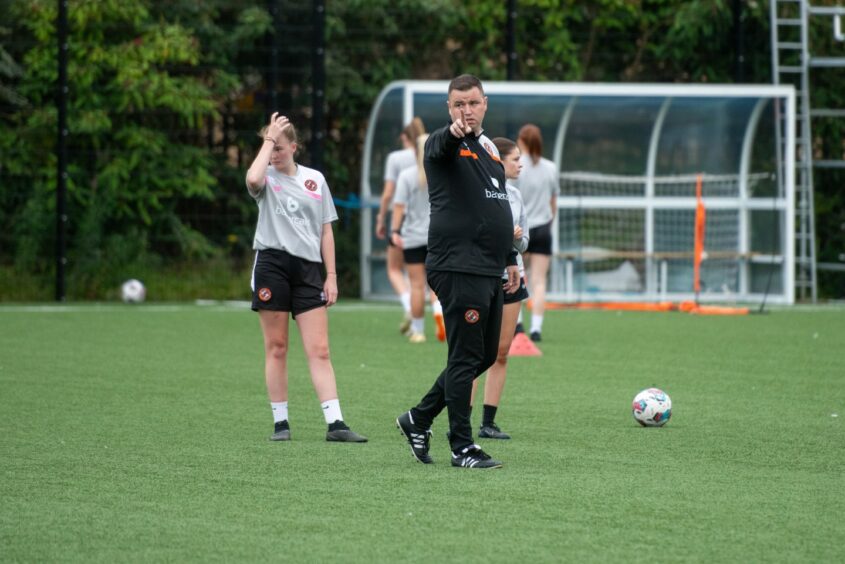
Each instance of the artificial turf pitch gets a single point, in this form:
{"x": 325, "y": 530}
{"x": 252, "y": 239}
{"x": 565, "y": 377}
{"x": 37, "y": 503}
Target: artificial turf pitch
{"x": 140, "y": 434}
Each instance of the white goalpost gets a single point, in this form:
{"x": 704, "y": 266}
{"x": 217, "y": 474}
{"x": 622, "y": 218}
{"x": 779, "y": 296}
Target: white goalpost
{"x": 617, "y": 243}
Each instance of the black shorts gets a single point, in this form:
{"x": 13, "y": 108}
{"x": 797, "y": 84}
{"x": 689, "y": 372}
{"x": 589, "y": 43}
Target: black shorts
{"x": 283, "y": 282}
{"x": 540, "y": 239}
{"x": 415, "y": 255}
{"x": 518, "y": 296}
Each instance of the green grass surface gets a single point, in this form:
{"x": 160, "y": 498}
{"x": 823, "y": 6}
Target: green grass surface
{"x": 140, "y": 434}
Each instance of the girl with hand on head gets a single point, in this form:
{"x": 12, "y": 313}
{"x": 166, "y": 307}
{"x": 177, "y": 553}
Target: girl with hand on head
{"x": 293, "y": 241}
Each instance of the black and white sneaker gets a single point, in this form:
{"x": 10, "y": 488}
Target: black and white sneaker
{"x": 473, "y": 457}
{"x": 492, "y": 431}
{"x": 418, "y": 439}
{"x": 281, "y": 431}
{"x": 339, "y": 432}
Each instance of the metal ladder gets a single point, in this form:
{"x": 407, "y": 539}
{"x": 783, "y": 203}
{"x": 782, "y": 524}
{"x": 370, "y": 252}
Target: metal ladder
{"x": 791, "y": 64}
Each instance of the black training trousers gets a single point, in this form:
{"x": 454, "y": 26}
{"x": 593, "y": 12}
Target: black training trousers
{"x": 472, "y": 311}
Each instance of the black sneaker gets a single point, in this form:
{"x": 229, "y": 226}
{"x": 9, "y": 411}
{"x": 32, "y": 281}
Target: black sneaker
{"x": 535, "y": 336}
{"x": 339, "y": 432}
{"x": 473, "y": 457}
{"x": 492, "y": 431}
{"x": 419, "y": 440}
{"x": 281, "y": 431}
{"x": 519, "y": 329}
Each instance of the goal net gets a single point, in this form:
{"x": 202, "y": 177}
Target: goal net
{"x": 630, "y": 238}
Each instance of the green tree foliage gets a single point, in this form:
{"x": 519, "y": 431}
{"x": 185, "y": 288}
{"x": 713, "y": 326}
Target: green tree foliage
{"x": 138, "y": 102}
{"x": 165, "y": 99}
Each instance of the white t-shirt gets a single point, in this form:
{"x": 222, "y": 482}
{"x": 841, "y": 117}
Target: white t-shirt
{"x": 292, "y": 211}
{"x": 538, "y": 184}
{"x": 519, "y": 218}
{"x": 397, "y": 161}
{"x": 417, "y": 210}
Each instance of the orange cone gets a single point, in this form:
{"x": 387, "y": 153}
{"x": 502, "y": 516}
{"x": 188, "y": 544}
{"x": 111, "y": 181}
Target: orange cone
{"x": 523, "y": 346}
{"x": 440, "y": 327}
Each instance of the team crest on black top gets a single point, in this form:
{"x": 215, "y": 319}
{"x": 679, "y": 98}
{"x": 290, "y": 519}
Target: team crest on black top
{"x": 472, "y": 316}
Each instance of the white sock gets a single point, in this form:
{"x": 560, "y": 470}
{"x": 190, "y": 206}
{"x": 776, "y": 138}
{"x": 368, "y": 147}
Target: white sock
{"x": 280, "y": 411}
{"x": 331, "y": 411}
{"x": 437, "y": 308}
{"x": 519, "y": 317}
{"x": 537, "y": 323}
{"x": 418, "y": 325}
{"x": 405, "y": 298}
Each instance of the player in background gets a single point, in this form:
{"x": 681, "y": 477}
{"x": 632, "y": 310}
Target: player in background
{"x": 409, "y": 232}
{"x": 397, "y": 161}
{"x": 539, "y": 184}
{"x": 494, "y": 382}
{"x": 293, "y": 239}
{"x": 470, "y": 243}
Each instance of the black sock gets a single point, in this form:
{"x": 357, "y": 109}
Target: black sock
{"x": 338, "y": 426}
{"x": 489, "y": 415}
{"x": 281, "y": 426}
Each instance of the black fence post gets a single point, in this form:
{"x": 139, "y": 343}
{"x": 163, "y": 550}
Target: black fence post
{"x": 61, "y": 152}
{"x": 510, "y": 39}
{"x": 739, "y": 53}
{"x": 274, "y": 57}
{"x": 318, "y": 62}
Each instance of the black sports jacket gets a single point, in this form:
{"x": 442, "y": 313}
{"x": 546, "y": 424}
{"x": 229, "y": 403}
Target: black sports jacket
{"x": 471, "y": 227}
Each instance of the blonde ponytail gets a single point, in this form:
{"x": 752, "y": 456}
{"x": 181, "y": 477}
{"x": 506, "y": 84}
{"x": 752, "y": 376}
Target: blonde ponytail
{"x": 420, "y": 158}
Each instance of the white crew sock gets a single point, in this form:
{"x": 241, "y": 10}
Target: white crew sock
{"x": 519, "y": 317}
{"x": 418, "y": 325}
{"x": 405, "y": 298}
{"x": 280, "y": 411}
{"x": 331, "y": 411}
{"x": 536, "y": 323}
{"x": 436, "y": 308}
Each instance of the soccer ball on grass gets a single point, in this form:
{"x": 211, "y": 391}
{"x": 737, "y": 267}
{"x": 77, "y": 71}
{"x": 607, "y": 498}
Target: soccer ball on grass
{"x": 652, "y": 407}
{"x": 133, "y": 291}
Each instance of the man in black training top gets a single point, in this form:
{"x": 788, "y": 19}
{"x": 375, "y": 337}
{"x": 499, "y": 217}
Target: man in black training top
{"x": 470, "y": 242}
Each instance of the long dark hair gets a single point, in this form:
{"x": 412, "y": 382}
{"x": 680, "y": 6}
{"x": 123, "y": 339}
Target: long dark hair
{"x": 504, "y": 145}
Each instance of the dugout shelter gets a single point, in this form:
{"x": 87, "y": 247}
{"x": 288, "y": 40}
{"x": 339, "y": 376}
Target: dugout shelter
{"x": 630, "y": 157}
